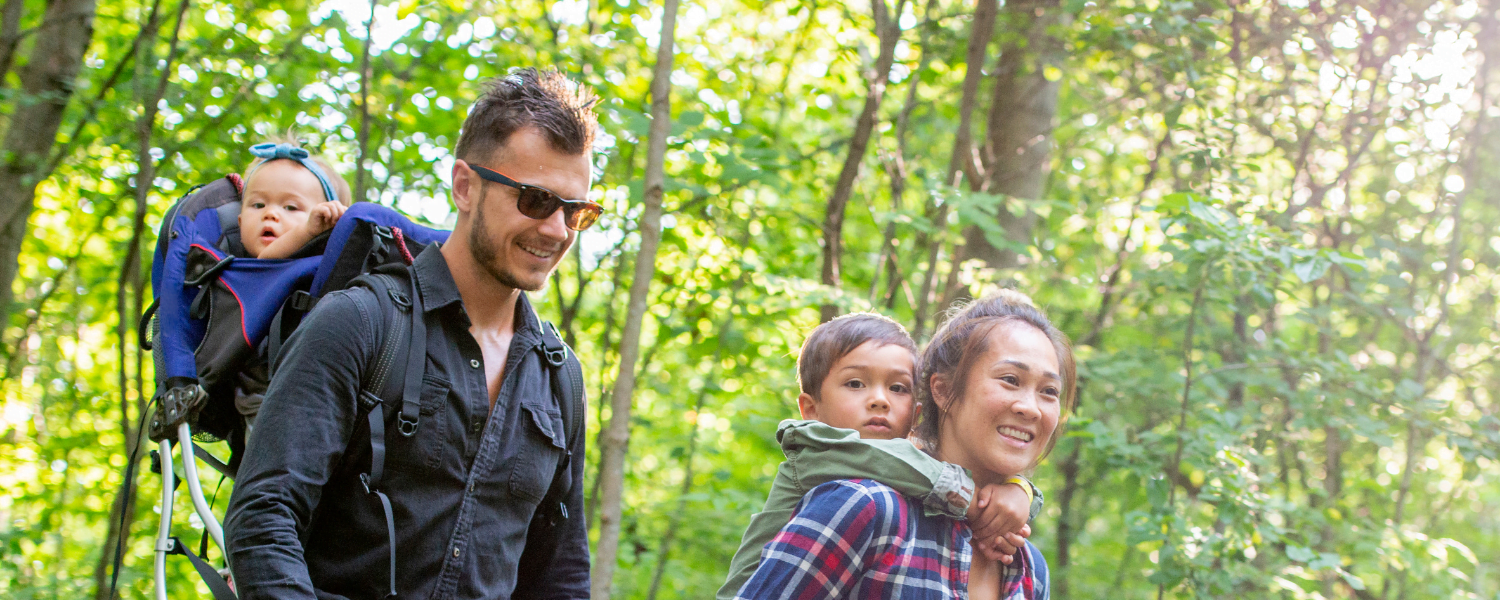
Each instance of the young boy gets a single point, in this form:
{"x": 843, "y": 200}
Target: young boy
{"x": 290, "y": 197}
{"x": 856, "y": 373}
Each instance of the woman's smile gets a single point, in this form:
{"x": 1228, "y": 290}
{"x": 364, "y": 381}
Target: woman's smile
{"x": 1015, "y": 435}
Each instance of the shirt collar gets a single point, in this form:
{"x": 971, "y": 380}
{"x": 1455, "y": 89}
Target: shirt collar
{"x": 435, "y": 282}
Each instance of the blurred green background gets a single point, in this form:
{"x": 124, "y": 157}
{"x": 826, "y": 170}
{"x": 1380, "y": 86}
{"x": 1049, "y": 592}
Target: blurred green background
{"x": 1270, "y": 228}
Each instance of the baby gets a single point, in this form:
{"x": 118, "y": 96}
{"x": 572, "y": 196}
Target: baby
{"x": 857, "y": 374}
{"x": 290, "y": 196}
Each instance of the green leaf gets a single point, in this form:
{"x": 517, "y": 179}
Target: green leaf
{"x": 1353, "y": 581}
{"x": 1311, "y": 270}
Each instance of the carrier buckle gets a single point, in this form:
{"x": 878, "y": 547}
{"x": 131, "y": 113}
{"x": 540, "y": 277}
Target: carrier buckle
{"x": 552, "y": 346}
{"x": 177, "y": 405}
{"x": 556, "y": 357}
{"x": 402, "y": 302}
{"x": 302, "y": 301}
{"x": 407, "y": 428}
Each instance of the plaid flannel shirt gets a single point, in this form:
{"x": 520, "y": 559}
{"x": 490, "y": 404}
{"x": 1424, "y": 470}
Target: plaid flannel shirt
{"x": 858, "y": 538}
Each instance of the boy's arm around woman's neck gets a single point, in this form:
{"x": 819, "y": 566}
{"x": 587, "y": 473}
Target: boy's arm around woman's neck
{"x": 817, "y": 453}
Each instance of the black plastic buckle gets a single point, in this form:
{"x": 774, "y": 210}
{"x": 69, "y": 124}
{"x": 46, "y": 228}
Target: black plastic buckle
{"x": 557, "y": 514}
{"x": 368, "y": 401}
{"x": 403, "y": 303}
{"x": 211, "y": 274}
{"x": 302, "y": 301}
{"x": 179, "y": 404}
{"x": 407, "y": 428}
{"x": 380, "y": 249}
{"x": 552, "y": 346}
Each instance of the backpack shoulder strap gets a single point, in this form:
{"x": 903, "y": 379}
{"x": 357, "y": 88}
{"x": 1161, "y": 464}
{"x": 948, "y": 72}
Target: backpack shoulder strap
{"x": 567, "y": 388}
{"x": 567, "y": 380}
{"x": 393, "y": 302}
{"x": 396, "y": 332}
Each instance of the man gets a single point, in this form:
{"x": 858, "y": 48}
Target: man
{"x": 467, "y": 488}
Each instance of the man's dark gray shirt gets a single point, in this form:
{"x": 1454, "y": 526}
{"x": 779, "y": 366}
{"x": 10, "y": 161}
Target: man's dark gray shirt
{"x": 464, "y": 489}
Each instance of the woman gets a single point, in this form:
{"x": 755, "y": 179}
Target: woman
{"x": 996, "y": 381}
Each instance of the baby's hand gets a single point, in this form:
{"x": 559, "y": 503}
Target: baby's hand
{"x": 998, "y": 518}
{"x": 322, "y": 217}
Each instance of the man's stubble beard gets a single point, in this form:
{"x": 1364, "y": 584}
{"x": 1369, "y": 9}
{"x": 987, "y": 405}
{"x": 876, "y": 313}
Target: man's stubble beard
{"x": 486, "y": 254}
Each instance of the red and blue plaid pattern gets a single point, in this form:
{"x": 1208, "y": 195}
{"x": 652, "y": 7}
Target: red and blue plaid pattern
{"x": 858, "y": 538}
{"x": 1025, "y": 578}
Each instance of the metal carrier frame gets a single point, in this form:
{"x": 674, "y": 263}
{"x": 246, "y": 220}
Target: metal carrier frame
{"x": 174, "y": 407}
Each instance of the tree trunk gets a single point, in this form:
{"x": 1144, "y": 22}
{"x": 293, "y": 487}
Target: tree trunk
{"x": 10, "y": 35}
{"x": 889, "y": 32}
{"x": 47, "y": 84}
{"x": 616, "y": 441}
{"x": 962, "y": 158}
{"x": 1065, "y": 519}
{"x": 897, "y": 171}
{"x": 591, "y": 507}
{"x": 122, "y": 511}
{"x": 1022, "y": 110}
{"x": 364, "y": 108}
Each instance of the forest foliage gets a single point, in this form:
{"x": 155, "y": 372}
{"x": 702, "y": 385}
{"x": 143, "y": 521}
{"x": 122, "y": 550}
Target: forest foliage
{"x": 1271, "y": 228}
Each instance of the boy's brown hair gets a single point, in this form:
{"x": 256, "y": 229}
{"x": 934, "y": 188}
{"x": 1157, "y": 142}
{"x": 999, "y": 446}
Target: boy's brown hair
{"x": 832, "y": 340}
{"x": 340, "y": 187}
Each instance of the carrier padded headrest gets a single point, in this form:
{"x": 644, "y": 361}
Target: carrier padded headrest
{"x": 229, "y": 230}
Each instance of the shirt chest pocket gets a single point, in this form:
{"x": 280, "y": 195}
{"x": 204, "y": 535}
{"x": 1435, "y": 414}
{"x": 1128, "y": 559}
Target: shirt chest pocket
{"x": 422, "y": 452}
{"x": 539, "y": 448}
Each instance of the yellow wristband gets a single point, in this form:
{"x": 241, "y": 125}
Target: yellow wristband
{"x": 1025, "y": 486}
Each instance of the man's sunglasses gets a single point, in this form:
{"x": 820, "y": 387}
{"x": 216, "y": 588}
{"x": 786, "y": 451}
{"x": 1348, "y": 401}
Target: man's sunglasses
{"x": 539, "y": 202}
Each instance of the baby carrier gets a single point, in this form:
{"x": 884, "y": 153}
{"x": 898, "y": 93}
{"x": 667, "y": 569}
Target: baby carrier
{"x": 219, "y": 319}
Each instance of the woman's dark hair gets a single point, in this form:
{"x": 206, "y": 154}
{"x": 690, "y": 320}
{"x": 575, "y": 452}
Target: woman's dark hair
{"x": 561, "y": 109}
{"x": 965, "y": 337}
{"x": 832, "y": 340}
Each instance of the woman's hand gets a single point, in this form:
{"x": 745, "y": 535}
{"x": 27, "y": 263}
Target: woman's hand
{"x": 998, "y": 518}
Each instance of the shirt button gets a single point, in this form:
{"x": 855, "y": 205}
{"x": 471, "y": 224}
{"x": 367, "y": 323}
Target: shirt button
{"x": 474, "y": 363}
{"x": 455, "y": 552}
